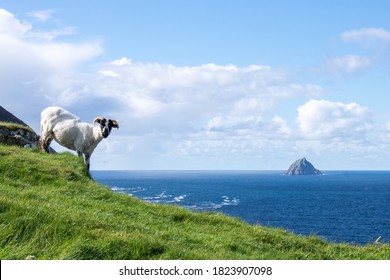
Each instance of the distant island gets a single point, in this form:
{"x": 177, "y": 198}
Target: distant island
{"x": 302, "y": 167}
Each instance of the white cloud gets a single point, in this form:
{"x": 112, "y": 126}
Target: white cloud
{"x": 206, "y": 111}
{"x": 323, "y": 119}
{"x": 234, "y": 124}
{"x": 9, "y": 25}
{"x": 348, "y": 64}
{"x": 163, "y": 110}
{"x": 203, "y": 91}
{"x": 37, "y": 69}
{"x": 41, "y": 15}
{"x": 280, "y": 127}
{"x": 71, "y": 54}
{"x": 375, "y": 43}
{"x": 121, "y": 61}
{"x": 183, "y": 114}
{"x": 366, "y": 35}
{"x": 52, "y": 34}
{"x": 108, "y": 73}
{"x": 45, "y": 16}
{"x": 144, "y": 106}
{"x": 159, "y": 106}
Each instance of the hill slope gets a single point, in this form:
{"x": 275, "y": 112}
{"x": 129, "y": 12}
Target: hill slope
{"x": 6, "y": 116}
{"x": 49, "y": 209}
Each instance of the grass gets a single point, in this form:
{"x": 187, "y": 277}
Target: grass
{"x": 50, "y": 209}
{"x": 15, "y": 126}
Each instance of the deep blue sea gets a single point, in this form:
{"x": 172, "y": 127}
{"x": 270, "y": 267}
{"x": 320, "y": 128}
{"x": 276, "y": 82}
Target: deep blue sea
{"x": 339, "y": 206}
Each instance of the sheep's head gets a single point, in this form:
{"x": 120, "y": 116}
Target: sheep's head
{"x": 106, "y": 125}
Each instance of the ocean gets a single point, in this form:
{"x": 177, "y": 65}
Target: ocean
{"x": 339, "y": 206}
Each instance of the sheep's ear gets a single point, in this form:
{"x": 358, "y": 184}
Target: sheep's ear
{"x": 97, "y": 120}
{"x": 115, "y": 123}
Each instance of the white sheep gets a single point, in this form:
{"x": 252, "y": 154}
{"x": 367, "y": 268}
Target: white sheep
{"x": 70, "y": 132}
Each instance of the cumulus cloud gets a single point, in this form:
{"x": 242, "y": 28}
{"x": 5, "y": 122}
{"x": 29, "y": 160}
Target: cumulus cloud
{"x": 11, "y": 26}
{"x": 234, "y": 124}
{"x": 198, "y": 110}
{"x": 168, "y": 112}
{"x": 280, "y": 127}
{"x": 108, "y": 73}
{"x": 121, "y": 61}
{"x": 35, "y": 67}
{"x": 209, "y": 89}
{"x": 163, "y": 109}
{"x": 323, "y": 119}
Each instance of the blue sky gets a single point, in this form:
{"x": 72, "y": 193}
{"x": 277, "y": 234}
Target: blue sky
{"x": 208, "y": 84}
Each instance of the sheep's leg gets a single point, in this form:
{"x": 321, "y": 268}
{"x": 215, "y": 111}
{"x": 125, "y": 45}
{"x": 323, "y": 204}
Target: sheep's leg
{"x": 45, "y": 142}
{"x": 86, "y": 161}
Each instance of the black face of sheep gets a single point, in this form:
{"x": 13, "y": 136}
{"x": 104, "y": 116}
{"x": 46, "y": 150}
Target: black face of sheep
{"x": 106, "y": 125}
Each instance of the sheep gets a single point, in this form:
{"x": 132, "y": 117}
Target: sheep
{"x": 68, "y": 131}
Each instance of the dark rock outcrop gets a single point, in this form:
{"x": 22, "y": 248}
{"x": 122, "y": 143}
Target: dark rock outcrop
{"x": 14, "y": 131}
{"x": 18, "y": 136}
{"x": 302, "y": 167}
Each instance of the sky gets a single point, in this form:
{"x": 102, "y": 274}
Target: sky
{"x": 207, "y": 85}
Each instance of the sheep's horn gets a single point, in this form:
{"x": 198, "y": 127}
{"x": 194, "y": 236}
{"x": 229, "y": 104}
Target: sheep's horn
{"x": 98, "y": 120}
{"x": 116, "y": 124}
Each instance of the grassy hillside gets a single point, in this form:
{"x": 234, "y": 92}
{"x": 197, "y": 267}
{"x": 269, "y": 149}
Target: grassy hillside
{"x": 49, "y": 209}
{"x": 15, "y": 126}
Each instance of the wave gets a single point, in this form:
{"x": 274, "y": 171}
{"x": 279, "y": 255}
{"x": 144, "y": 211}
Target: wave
{"x": 209, "y": 205}
{"x": 165, "y": 198}
{"x": 127, "y": 190}
{"x": 303, "y": 204}
{"x": 179, "y": 199}
{"x": 119, "y": 189}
